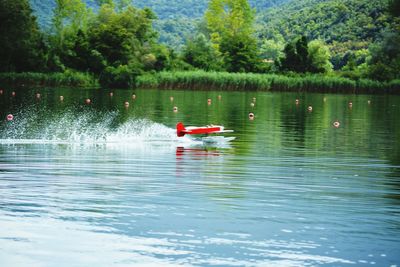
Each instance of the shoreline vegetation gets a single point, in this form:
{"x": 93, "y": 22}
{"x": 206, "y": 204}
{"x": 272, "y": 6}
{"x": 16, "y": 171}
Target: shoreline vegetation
{"x": 223, "y": 81}
{"x": 116, "y": 46}
{"x": 35, "y": 79}
{"x": 201, "y": 80}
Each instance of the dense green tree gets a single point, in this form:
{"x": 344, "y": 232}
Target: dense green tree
{"x": 319, "y": 57}
{"x": 230, "y": 23}
{"x": 385, "y": 58}
{"x": 271, "y": 49}
{"x": 303, "y": 55}
{"x": 290, "y": 59}
{"x": 200, "y": 54}
{"x": 394, "y": 8}
{"x": 296, "y": 56}
{"x": 22, "y": 45}
{"x": 384, "y": 63}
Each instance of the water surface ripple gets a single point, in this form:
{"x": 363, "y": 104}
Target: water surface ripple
{"x": 107, "y": 186}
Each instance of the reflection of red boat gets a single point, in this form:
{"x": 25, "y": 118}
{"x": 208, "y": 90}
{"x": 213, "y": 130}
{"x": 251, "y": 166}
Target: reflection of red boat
{"x": 200, "y": 152}
{"x": 181, "y": 130}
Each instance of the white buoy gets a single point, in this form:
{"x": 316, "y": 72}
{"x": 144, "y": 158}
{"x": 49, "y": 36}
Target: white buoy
{"x": 251, "y": 116}
{"x": 10, "y": 117}
{"x": 336, "y": 124}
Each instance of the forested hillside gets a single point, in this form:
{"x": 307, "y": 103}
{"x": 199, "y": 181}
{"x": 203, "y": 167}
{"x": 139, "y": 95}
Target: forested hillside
{"x": 332, "y": 20}
{"x": 177, "y": 19}
{"x": 343, "y": 24}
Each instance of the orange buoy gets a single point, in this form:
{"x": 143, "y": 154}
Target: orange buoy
{"x": 111, "y": 94}
{"x": 13, "y": 93}
{"x": 1, "y": 91}
{"x": 209, "y": 101}
{"x": 10, "y": 117}
{"x": 88, "y": 101}
{"x": 126, "y": 104}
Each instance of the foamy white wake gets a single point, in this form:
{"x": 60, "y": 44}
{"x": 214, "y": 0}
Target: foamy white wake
{"x": 91, "y": 128}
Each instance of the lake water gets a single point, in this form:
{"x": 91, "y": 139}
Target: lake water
{"x": 109, "y": 185}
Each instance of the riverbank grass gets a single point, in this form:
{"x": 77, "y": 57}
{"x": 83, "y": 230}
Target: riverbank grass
{"x": 201, "y": 80}
{"x": 67, "y": 79}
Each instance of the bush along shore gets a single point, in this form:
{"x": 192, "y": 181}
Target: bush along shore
{"x": 64, "y": 79}
{"x": 201, "y": 80}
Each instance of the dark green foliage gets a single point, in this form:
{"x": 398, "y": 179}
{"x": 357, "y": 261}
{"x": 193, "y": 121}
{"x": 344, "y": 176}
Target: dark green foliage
{"x": 302, "y": 54}
{"x": 240, "y": 54}
{"x": 394, "y": 8}
{"x": 177, "y": 19}
{"x": 343, "y": 24}
{"x": 385, "y": 58}
{"x": 22, "y": 46}
{"x": 200, "y": 54}
{"x": 117, "y": 45}
{"x": 119, "y": 77}
{"x": 330, "y": 20}
{"x": 296, "y": 56}
{"x": 68, "y": 78}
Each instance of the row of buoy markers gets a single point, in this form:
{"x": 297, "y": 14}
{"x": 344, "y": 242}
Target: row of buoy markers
{"x": 251, "y": 115}
{"x": 209, "y": 101}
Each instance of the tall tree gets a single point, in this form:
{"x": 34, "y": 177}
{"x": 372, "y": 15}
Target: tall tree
{"x": 200, "y": 54}
{"x": 302, "y": 54}
{"x": 230, "y": 23}
{"x": 22, "y": 44}
{"x": 319, "y": 57}
{"x": 69, "y": 15}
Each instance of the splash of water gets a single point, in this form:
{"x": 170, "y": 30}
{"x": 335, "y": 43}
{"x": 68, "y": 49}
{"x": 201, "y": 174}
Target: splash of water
{"x": 88, "y": 127}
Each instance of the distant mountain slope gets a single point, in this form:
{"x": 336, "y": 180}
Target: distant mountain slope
{"x": 330, "y": 20}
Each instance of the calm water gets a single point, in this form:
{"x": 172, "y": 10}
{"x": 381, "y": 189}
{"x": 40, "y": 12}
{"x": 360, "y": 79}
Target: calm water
{"x": 105, "y": 185}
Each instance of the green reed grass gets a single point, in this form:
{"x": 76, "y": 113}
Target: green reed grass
{"x": 201, "y": 80}
{"x": 68, "y": 78}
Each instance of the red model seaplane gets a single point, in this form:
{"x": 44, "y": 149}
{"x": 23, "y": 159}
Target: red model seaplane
{"x": 181, "y": 130}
